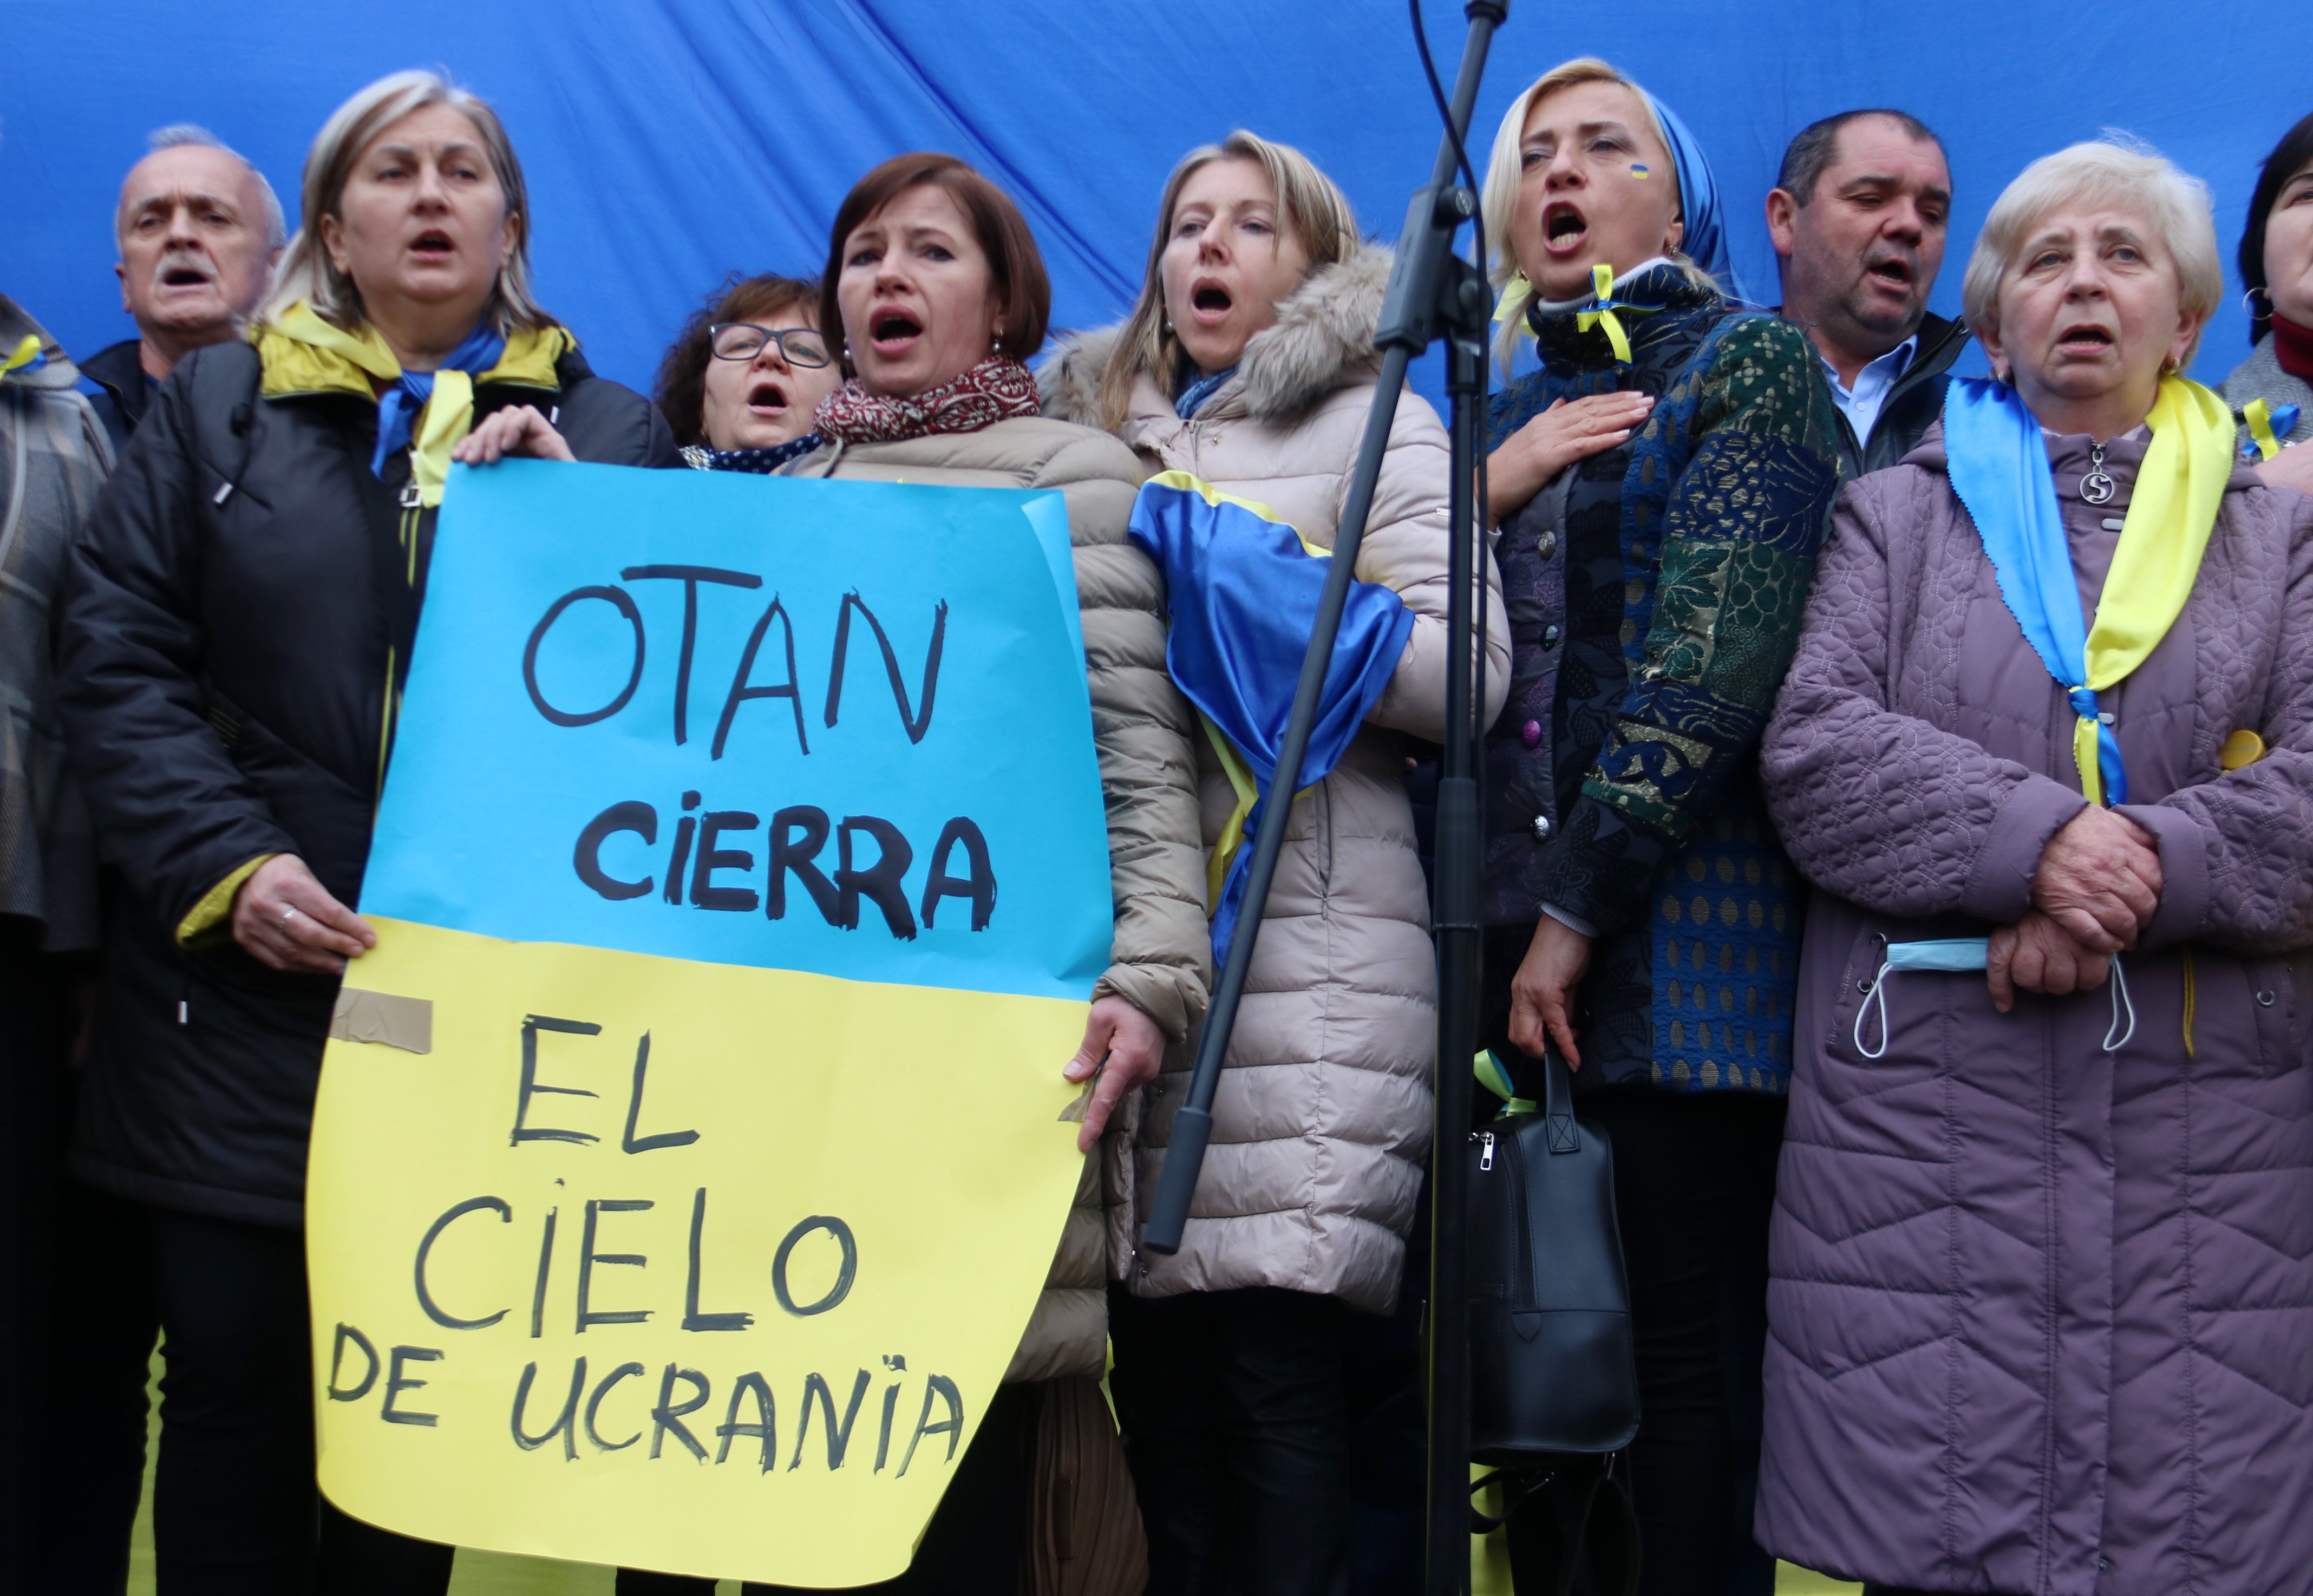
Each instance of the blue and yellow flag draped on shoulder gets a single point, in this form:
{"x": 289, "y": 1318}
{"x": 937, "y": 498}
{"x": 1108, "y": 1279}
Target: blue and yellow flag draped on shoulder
{"x": 1998, "y": 462}
{"x": 1243, "y": 587}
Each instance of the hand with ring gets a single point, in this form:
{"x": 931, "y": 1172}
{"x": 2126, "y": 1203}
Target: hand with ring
{"x": 289, "y": 921}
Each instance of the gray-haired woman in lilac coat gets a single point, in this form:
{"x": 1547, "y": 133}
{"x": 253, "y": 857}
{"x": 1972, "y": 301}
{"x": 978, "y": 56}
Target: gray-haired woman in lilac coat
{"x": 2043, "y": 1253}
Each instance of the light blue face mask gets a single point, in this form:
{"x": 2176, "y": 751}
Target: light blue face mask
{"x": 1959, "y": 955}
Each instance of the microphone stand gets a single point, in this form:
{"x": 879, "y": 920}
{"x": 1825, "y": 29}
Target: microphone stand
{"x": 1433, "y": 293}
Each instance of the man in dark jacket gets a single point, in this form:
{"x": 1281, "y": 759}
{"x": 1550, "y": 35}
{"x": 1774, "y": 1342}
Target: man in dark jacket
{"x": 199, "y": 230}
{"x": 1858, "y": 216}
{"x": 72, "y": 1356}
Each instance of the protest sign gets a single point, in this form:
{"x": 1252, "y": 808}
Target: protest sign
{"x": 689, "y": 1153}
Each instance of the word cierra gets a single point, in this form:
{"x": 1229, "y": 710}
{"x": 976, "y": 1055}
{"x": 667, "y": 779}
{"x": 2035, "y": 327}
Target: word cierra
{"x": 798, "y": 836}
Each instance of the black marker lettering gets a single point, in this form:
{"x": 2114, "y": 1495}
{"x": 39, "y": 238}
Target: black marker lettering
{"x": 881, "y": 883}
{"x": 844, "y": 1275}
{"x": 980, "y": 885}
{"x": 594, "y": 1407}
{"x": 693, "y": 1318}
{"x": 951, "y": 1426}
{"x": 917, "y": 720}
{"x": 741, "y": 691}
{"x": 545, "y": 1265}
{"x": 691, "y": 576}
{"x": 347, "y": 1333}
{"x": 395, "y": 1385}
{"x": 668, "y": 1416}
{"x": 588, "y": 1258}
{"x": 565, "y": 1426}
{"x": 683, "y": 828}
{"x": 789, "y": 854}
{"x": 433, "y": 1232}
{"x": 629, "y": 1141}
{"x": 626, "y": 606}
{"x": 899, "y": 1367}
{"x": 586, "y": 858}
{"x": 704, "y": 892}
{"x": 532, "y": 1024}
{"x": 763, "y": 1430}
{"x": 839, "y": 1437}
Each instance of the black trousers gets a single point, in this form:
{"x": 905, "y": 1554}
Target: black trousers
{"x": 1695, "y": 1184}
{"x": 72, "y": 1373}
{"x": 1234, "y": 1423}
{"x": 235, "y": 1510}
{"x": 974, "y": 1543}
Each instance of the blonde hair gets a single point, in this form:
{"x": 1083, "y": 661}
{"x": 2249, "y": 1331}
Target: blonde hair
{"x": 2117, "y": 171}
{"x": 1500, "y": 203}
{"x": 1308, "y": 202}
{"x": 306, "y": 271}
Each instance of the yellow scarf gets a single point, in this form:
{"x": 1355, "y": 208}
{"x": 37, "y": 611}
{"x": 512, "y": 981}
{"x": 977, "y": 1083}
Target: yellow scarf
{"x": 303, "y": 353}
{"x": 2171, "y": 511}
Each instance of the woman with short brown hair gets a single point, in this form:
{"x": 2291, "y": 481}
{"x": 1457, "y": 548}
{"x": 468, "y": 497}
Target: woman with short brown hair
{"x": 741, "y": 383}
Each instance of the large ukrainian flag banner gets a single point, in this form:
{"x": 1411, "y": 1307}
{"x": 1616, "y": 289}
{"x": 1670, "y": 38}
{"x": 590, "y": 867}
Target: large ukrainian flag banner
{"x": 690, "y": 1151}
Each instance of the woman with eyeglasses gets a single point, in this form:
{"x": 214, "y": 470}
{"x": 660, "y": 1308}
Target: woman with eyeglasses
{"x": 741, "y": 385}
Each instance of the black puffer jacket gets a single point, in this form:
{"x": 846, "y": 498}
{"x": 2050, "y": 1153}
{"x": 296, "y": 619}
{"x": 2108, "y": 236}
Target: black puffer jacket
{"x": 234, "y": 608}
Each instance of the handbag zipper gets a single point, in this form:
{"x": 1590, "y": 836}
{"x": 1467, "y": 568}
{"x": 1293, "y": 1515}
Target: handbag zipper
{"x": 1523, "y": 1297}
{"x": 1486, "y": 1151}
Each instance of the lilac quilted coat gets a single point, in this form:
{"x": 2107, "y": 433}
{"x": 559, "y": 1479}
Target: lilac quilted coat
{"x": 2043, "y": 1315}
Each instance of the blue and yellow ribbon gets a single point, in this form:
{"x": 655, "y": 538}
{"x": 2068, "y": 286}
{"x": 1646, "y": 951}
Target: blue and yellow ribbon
{"x": 2266, "y": 427}
{"x": 1999, "y": 468}
{"x": 1607, "y": 312}
{"x": 26, "y": 356}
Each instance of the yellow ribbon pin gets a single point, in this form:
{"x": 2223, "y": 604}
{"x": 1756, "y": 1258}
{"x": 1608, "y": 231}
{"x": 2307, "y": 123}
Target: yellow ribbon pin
{"x": 2259, "y": 417}
{"x": 1602, "y": 284}
{"x": 25, "y": 353}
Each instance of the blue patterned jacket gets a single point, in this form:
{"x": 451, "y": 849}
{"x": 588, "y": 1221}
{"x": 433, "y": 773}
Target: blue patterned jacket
{"x": 1654, "y": 595}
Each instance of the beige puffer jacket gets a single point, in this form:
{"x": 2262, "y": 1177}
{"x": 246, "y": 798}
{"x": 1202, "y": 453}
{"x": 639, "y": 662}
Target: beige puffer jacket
{"x": 1162, "y": 957}
{"x": 1322, "y": 1119}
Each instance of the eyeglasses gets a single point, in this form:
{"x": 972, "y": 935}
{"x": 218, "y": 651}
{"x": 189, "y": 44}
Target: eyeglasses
{"x": 743, "y": 340}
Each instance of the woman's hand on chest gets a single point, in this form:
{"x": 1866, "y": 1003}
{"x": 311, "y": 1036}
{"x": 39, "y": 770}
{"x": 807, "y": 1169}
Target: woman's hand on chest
{"x": 1569, "y": 430}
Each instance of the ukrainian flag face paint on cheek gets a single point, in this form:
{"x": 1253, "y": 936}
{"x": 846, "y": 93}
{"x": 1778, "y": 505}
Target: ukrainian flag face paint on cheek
{"x": 1637, "y": 171}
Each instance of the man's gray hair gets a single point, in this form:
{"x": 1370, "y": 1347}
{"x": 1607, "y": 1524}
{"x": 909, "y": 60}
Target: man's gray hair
{"x": 176, "y": 136}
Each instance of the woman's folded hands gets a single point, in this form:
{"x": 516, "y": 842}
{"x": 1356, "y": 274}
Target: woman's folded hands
{"x": 2093, "y": 894}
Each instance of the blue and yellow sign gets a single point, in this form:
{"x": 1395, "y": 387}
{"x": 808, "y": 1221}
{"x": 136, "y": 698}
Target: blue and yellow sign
{"x": 689, "y": 1153}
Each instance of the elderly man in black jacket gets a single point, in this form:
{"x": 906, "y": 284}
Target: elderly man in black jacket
{"x": 1858, "y": 217}
{"x": 200, "y": 231}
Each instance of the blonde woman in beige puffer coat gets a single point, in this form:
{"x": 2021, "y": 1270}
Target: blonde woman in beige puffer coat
{"x": 1250, "y": 363}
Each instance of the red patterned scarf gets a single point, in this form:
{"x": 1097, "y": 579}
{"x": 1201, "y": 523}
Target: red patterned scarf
{"x": 996, "y": 389}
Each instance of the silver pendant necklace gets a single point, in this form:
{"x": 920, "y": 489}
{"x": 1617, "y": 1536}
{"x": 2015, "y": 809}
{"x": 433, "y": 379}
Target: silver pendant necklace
{"x": 2096, "y": 486}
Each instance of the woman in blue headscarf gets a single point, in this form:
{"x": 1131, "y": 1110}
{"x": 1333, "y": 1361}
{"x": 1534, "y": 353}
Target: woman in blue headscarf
{"x": 1660, "y": 483}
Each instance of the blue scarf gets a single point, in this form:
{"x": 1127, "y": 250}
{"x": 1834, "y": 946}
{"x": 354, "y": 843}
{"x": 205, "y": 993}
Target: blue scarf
{"x": 1704, "y": 238}
{"x": 1195, "y": 392}
{"x": 761, "y": 463}
{"x": 398, "y": 407}
{"x": 1998, "y": 463}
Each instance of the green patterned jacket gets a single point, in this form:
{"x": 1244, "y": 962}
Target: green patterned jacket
{"x": 1687, "y": 556}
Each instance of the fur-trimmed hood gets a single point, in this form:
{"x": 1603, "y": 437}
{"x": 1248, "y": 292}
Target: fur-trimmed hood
{"x": 1320, "y": 342}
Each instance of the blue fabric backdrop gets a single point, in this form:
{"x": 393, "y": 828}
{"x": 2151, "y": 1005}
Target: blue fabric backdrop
{"x": 668, "y": 142}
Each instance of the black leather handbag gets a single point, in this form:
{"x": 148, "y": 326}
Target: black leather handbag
{"x": 1553, "y": 1368}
